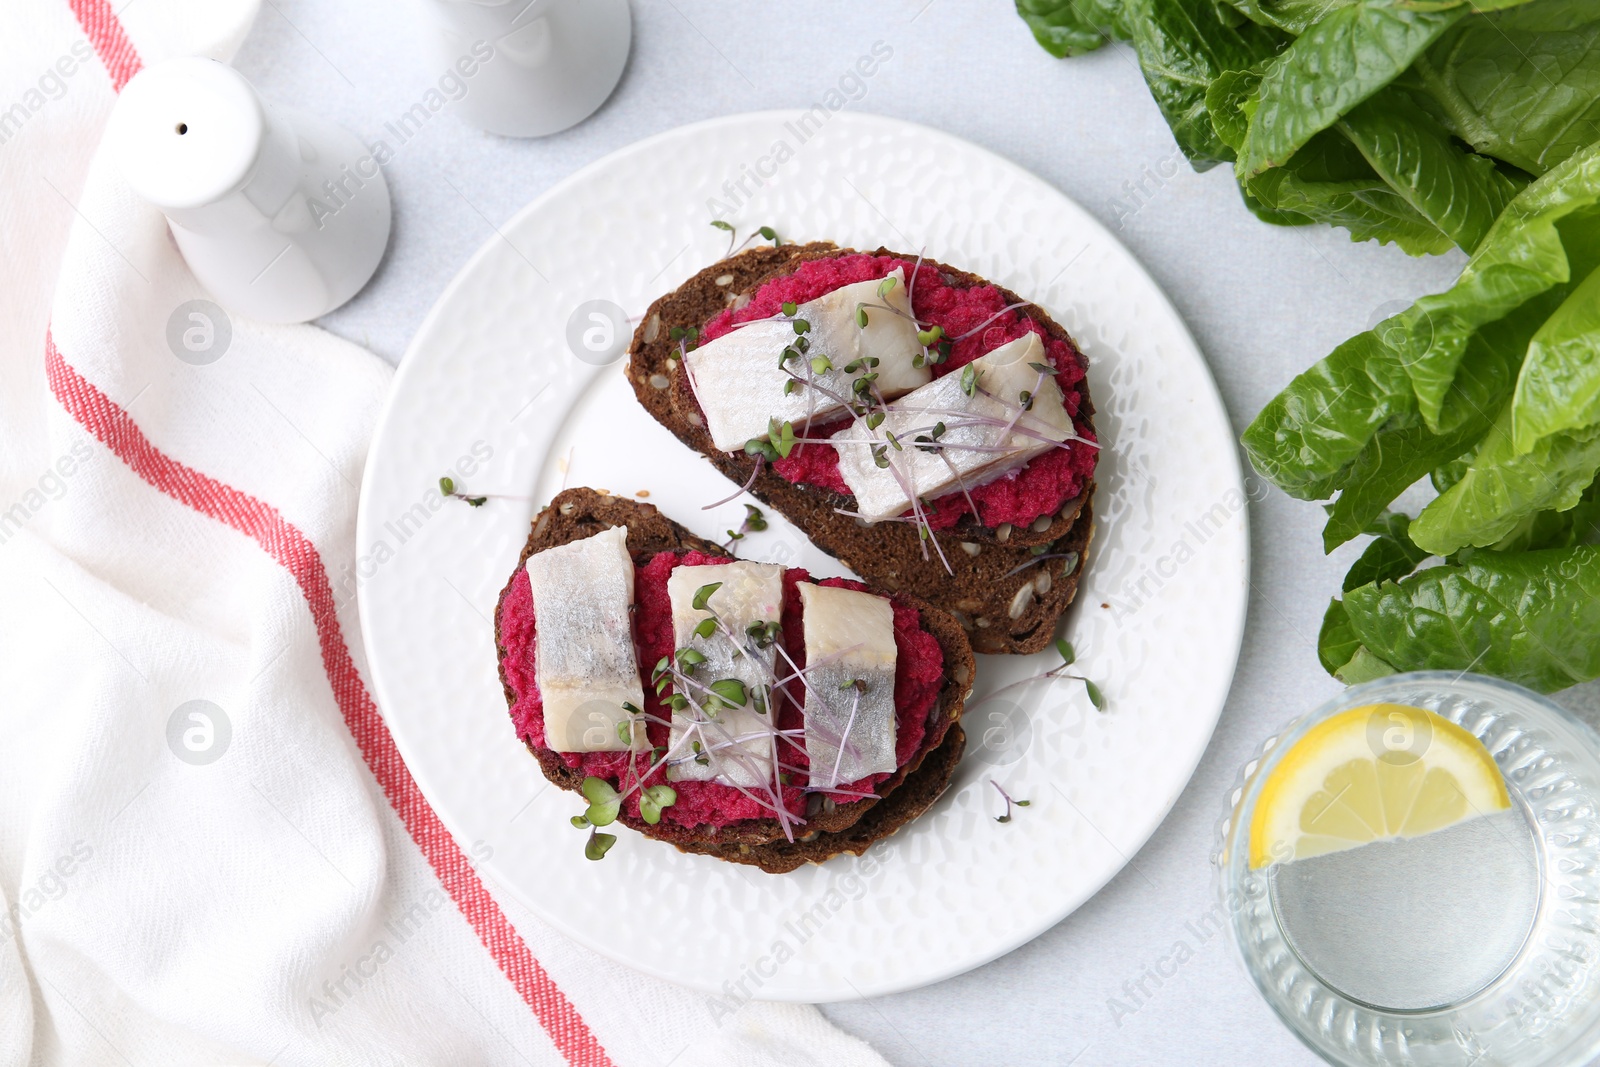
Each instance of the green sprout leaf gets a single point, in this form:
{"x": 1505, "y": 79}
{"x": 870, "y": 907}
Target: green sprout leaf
{"x": 580, "y": 821}
{"x": 801, "y": 326}
{"x": 886, "y": 286}
{"x": 708, "y": 625}
{"x": 702, "y": 596}
{"x": 1068, "y": 656}
{"x": 1043, "y": 368}
{"x": 652, "y": 799}
{"x": 689, "y": 659}
{"x": 861, "y": 316}
{"x": 760, "y": 446}
{"x": 604, "y": 803}
{"x": 930, "y": 336}
{"x": 754, "y": 520}
{"x": 969, "y": 379}
{"x": 724, "y": 226}
{"x": 1095, "y": 696}
{"x": 731, "y": 690}
{"x": 599, "y": 844}
{"x": 821, "y": 364}
{"x": 790, "y": 307}
{"x": 447, "y": 486}
{"x": 768, "y": 233}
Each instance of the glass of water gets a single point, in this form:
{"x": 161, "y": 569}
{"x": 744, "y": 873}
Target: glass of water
{"x": 1476, "y": 944}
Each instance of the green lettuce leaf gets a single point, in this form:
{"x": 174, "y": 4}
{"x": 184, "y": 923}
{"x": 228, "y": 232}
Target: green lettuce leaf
{"x": 1559, "y": 388}
{"x": 1338, "y": 62}
{"x": 1525, "y": 254}
{"x": 1503, "y": 487}
{"x": 1521, "y": 85}
{"x": 1305, "y": 439}
{"x": 1291, "y": 16}
{"x": 1389, "y": 556}
{"x": 1530, "y": 617}
{"x": 1337, "y": 640}
{"x": 1183, "y": 45}
{"x": 1457, "y": 191}
{"x": 1552, "y": 529}
{"x": 1405, "y": 449}
{"x": 1071, "y": 27}
{"x": 1329, "y": 181}
{"x": 1229, "y": 102}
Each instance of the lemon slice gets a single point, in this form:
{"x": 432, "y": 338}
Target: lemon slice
{"x": 1373, "y": 773}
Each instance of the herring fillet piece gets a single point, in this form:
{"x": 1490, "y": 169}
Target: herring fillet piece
{"x": 584, "y": 661}
{"x": 849, "y": 638}
{"x": 749, "y": 593}
{"x": 1003, "y": 375}
{"x": 739, "y": 383}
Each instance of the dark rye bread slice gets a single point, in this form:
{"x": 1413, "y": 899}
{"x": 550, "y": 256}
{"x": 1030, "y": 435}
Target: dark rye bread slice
{"x": 986, "y": 591}
{"x": 829, "y": 829}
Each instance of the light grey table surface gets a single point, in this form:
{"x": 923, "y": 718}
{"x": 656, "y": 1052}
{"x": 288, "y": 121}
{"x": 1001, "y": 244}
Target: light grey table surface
{"x": 1264, "y": 302}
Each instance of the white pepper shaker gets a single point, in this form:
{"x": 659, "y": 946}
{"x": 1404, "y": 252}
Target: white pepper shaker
{"x": 553, "y": 62}
{"x": 281, "y": 215}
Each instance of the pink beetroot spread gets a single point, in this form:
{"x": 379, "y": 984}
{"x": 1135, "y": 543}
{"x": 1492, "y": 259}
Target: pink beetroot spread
{"x": 1018, "y": 497}
{"x": 919, "y": 669}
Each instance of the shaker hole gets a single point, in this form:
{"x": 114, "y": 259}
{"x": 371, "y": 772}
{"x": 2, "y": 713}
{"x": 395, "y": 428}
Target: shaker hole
{"x": 182, "y": 128}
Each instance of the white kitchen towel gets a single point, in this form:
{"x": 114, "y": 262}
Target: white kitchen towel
{"x": 210, "y": 850}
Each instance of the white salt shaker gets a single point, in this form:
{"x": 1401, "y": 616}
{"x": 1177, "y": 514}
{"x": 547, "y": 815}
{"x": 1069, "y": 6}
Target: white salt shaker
{"x": 281, "y": 215}
{"x": 553, "y": 62}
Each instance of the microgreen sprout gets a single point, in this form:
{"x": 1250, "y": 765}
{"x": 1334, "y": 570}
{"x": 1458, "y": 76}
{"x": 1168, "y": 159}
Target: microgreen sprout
{"x": 689, "y": 659}
{"x": 928, "y": 442}
{"x": 969, "y": 379}
{"x": 766, "y": 233}
{"x": 929, "y": 337}
{"x": 447, "y": 487}
{"x": 886, "y": 286}
{"x": 754, "y": 522}
{"x": 702, "y": 596}
{"x": 776, "y": 444}
{"x": 861, "y": 316}
{"x": 652, "y": 799}
{"x": 598, "y": 845}
{"x": 1068, "y": 658}
{"x": 763, "y": 633}
{"x": 732, "y": 691}
{"x": 1009, "y": 802}
{"x": 686, "y": 338}
{"x": 604, "y": 802}
{"x": 790, "y": 307}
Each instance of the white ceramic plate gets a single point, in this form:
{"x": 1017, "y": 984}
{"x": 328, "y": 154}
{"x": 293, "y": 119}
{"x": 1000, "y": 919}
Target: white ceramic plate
{"x": 1157, "y": 623}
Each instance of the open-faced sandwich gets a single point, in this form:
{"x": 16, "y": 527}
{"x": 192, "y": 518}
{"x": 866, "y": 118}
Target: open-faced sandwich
{"x": 929, "y": 429}
{"x": 733, "y": 708}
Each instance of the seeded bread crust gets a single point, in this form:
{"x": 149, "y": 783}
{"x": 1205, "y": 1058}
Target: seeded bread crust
{"x": 832, "y": 829}
{"x": 1002, "y": 611}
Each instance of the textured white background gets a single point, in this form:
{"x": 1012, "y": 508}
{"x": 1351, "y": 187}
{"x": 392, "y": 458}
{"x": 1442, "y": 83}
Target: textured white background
{"x": 1262, "y": 301}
